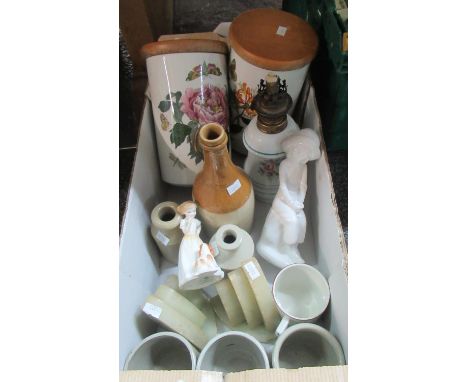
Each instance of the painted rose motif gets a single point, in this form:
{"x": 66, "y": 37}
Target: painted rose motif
{"x": 244, "y": 98}
{"x": 205, "y": 105}
{"x": 199, "y": 106}
{"x": 269, "y": 167}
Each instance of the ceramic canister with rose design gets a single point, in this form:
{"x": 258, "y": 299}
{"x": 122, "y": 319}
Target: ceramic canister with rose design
{"x": 188, "y": 87}
{"x": 265, "y": 41}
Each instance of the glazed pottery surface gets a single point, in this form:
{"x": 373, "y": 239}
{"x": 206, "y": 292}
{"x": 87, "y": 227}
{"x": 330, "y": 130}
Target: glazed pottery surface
{"x": 181, "y": 304}
{"x": 165, "y": 230}
{"x": 222, "y": 191}
{"x": 162, "y": 351}
{"x": 262, "y": 292}
{"x": 301, "y": 294}
{"x": 161, "y": 312}
{"x": 264, "y": 158}
{"x": 285, "y": 225}
{"x": 266, "y": 41}
{"x": 232, "y": 246}
{"x": 187, "y": 91}
{"x": 231, "y": 352}
{"x": 197, "y": 266}
{"x": 307, "y": 345}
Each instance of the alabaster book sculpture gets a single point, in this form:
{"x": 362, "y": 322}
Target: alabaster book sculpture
{"x": 285, "y": 224}
{"x": 197, "y": 266}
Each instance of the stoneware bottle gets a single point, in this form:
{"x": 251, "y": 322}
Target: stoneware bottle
{"x": 263, "y": 41}
{"x": 222, "y": 191}
{"x": 264, "y": 134}
{"x": 165, "y": 230}
{"x": 188, "y": 86}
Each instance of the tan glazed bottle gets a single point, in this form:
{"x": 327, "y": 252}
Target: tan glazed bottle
{"x": 223, "y": 191}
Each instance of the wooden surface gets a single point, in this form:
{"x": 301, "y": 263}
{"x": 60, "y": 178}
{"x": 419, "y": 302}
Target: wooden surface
{"x": 183, "y": 46}
{"x": 273, "y": 39}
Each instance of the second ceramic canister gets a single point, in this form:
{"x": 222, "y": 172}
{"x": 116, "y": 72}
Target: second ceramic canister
{"x": 266, "y": 41}
{"x": 188, "y": 86}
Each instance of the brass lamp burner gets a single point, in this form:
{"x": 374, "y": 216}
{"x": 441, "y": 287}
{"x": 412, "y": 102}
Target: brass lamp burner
{"x": 272, "y": 103}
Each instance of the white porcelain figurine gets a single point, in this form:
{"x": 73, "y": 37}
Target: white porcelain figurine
{"x": 197, "y": 266}
{"x": 285, "y": 224}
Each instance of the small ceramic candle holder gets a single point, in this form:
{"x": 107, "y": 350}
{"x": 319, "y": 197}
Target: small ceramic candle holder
{"x": 165, "y": 230}
{"x": 232, "y": 246}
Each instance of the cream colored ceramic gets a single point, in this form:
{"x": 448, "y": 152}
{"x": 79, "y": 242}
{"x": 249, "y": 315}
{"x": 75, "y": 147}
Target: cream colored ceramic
{"x": 285, "y": 224}
{"x": 165, "y": 230}
{"x": 232, "y": 246}
{"x": 233, "y": 352}
{"x": 197, "y": 266}
{"x": 162, "y": 351}
{"x": 259, "y": 332}
{"x": 301, "y": 294}
{"x": 246, "y": 298}
{"x": 181, "y": 304}
{"x": 199, "y": 299}
{"x": 230, "y": 302}
{"x": 307, "y": 345}
{"x": 262, "y": 292}
{"x": 243, "y": 216}
{"x": 170, "y": 318}
{"x": 188, "y": 89}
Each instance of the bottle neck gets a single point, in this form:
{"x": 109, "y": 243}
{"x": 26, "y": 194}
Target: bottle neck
{"x": 218, "y": 162}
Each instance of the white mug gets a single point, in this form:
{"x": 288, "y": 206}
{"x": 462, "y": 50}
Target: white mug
{"x": 162, "y": 351}
{"x": 306, "y": 345}
{"x": 301, "y": 294}
{"x": 232, "y": 352}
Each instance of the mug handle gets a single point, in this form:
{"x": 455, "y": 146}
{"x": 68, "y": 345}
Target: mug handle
{"x": 282, "y": 326}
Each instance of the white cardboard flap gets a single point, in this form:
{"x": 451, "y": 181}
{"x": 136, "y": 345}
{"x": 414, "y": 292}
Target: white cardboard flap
{"x": 141, "y": 264}
{"x": 305, "y": 374}
{"x": 170, "y": 376}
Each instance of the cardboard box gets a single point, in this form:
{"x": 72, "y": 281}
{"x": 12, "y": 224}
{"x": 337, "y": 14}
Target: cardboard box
{"x": 141, "y": 265}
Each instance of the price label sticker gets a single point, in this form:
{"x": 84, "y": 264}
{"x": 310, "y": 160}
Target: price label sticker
{"x": 162, "y": 238}
{"x": 152, "y": 310}
{"x": 251, "y": 270}
{"x": 234, "y": 187}
{"x": 281, "y": 31}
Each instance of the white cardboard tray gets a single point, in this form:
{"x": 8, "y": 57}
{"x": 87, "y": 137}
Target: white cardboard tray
{"x": 142, "y": 268}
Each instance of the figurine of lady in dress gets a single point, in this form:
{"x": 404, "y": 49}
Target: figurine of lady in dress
{"x": 285, "y": 224}
{"x": 197, "y": 266}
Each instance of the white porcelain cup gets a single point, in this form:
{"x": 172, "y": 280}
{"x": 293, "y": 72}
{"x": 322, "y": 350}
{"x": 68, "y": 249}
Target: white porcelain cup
{"x": 232, "y": 352}
{"x": 162, "y": 351}
{"x": 301, "y": 294}
{"x": 306, "y": 345}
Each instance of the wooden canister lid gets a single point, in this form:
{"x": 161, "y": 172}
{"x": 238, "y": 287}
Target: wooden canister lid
{"x": 183, "y": 46}
{"x": 273, "y": 39}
